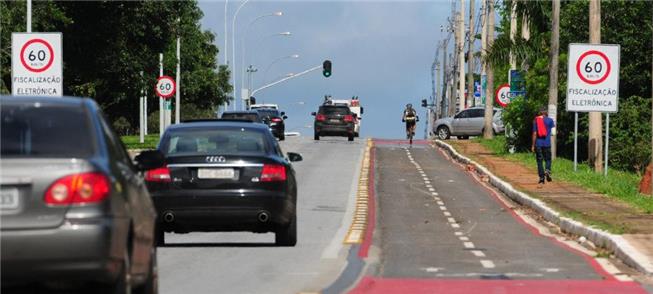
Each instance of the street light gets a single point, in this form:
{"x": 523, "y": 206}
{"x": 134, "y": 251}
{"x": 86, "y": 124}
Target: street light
{"x": 233, "y": 49}
{"x": 267, "y": 69}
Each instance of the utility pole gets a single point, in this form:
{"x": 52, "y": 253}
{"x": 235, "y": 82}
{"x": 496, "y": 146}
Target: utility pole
{"x": 483, "y": 48}
{"x": 489, "y": 91}
{"x": 462, "y": 99}
{"x": 141, "y": 114}
{"x": 445, "y": 81}
{"x": 454, "y": 84}
{"x": 553, "y": 71}
{"x": 178, "y": 78}
{"x": 595, "y": 143}
{"x": 470, "y": 56}
{"x": 161, "y": 101}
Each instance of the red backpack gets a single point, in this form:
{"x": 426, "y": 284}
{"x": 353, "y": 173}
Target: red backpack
{"x": 541, "y": 127}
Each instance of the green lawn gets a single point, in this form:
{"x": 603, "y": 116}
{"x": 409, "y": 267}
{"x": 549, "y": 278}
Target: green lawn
{"x": 133, "y": 142}
{"x": 618, "y": 184}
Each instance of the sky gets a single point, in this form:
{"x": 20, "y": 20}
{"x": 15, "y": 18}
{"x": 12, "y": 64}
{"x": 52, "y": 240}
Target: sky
{"x": 381, "y": 51}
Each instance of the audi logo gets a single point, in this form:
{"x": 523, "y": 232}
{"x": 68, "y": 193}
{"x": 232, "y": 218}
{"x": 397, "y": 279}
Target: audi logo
{"x": 214, "y": 159}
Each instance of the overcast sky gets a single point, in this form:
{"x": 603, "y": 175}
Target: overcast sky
{"x": 381, "y": 52}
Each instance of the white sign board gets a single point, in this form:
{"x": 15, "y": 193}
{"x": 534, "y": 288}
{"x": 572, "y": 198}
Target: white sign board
{"x": 165, "y": 87}
{"x": 593, "y": 78}
{"x": 36, "y": 64}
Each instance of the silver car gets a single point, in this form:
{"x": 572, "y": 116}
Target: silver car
{"x": 468, "y": 122}
{"x": 73, "y": 207}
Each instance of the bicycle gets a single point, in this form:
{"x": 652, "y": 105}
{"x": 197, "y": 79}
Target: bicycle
{"x": 411, "y": 123}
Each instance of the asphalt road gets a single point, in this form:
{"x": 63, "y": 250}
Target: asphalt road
{"x": 439, "y": 229}
{"x": 250, "y": 263}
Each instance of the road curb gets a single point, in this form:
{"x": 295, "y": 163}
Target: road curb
{"x": 620, "y": 247}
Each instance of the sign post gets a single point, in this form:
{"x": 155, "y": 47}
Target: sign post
{"x": 36, "y": 64}
{"x": 165, "y": 88}
{"x": 593, "y": 85}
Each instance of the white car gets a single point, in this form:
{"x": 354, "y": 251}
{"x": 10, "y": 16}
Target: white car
{"x": 468, "y": 122}
{"x": 264, "y": 106}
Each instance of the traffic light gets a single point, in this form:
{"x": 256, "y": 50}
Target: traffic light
{"x": 424, "y": 103}
{"x": 326, "y": 68}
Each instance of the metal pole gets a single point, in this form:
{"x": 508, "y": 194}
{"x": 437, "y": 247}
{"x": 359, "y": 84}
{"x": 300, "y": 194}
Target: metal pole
{"x": 29, "y": 16}
{"x": 178, "y": 81}
{"x": 226, "y": 46}
{"x": 607, "y": 141}
{"x": 233, "y": 51}
{"x": 145, "y": 111}
{"x": 285, "y": 79}
{"x": 161, "y": 106}
{"x": 140, "y": 114}
{"x": 462, "y": 99}
{"x": 575, "y": 141}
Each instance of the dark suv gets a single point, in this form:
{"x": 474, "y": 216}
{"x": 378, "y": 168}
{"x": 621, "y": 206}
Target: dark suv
{"x": 334, "y": 120}
{"x": 275, "y": 120}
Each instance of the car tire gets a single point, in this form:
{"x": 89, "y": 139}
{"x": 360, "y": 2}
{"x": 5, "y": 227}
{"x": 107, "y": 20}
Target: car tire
{"x": 350, "y": 137}
{"x": 316, "y": 137}
{"x": 159, "y": 236}
{"x": 282, "y": 137}
{"x": 287, "y": 235}
{"x": 356, "y": 135}
{"x": 151, "y": 284}
{"x": 443, "y": 133}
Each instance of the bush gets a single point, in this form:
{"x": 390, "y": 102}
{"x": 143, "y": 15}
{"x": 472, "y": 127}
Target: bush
{"x": 630, "y": 135}
{"x": 122, "y": 126}
{"x": 188, "y": 111}
{"x": 518, "y": 117}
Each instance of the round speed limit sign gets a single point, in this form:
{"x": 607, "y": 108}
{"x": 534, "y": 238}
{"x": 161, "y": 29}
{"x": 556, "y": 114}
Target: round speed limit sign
{"x": 165, "y": 87}
{"x": 593, "y": 67}
{"x": 37, "y": 55}
{"x": 502, "y": 95}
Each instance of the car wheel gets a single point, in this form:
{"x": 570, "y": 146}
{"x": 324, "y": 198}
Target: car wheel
{"x": 350, "y": 137}
{"x": 356, "y": 135}
{"x": 159, "y": 235}
{"x": 316, "y": 136}
{"x": 443, "y": 133}
{"x": 151, "y": 285}
{"x": 282, "y": 137}
{"x": 287, "y": 235}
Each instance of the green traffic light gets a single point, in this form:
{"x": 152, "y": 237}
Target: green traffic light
{"x": 326, "y": 74}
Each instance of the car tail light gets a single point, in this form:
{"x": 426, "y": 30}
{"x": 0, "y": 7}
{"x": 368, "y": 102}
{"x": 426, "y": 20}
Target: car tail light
{"x": 273, "y": 173}
{"x": 320, "y": 117}
{"x": 349, "y": 118}
{"x": 161, "y": 174}
{"x": 276, "y": 119}
{"x": 79, "y": 188}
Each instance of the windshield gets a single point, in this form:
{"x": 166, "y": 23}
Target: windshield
{"x": 241, "y": 116}
{"x": 45, "y": 131}
{"x": 205, "y": 141}
{"x": 330, "y": 110}
{"x": 269, "y": 113}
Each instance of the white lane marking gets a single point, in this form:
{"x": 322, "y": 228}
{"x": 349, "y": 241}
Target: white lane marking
{"x": 451, "y": 220}
{"x": 440, "y": 203}
{"x": 478, "y": 253}
{"x": 431, "y": 189}
{"x": 427, "y": 182}
{"x": 455, "y": 226}
{"x": 331, "y": 251}
{"x": 432, "y": 269}
{"x": 458, "y": 233}
{"x": 436, "y": 198}
{"x": 429, "y": 186}
{"x": 446, "y": 213}
{"x": 463, "y": 238}
{"x": 468, "y": 244}
{"x": 450, "y": 181}
{"x": 487, "y": 263}
{"x": 434, "y": 193}
{"x": 443, "y": 208}
{"x": 551, "y": 270}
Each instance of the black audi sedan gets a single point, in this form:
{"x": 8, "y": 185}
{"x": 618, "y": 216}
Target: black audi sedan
{"x": 224, "y": 176}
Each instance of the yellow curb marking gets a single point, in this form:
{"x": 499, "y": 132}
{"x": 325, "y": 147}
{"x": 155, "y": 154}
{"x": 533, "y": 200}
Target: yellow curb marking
{"x": 359, "y": 222}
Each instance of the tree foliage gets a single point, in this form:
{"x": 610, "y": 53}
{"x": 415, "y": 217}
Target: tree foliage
{"x": 107, "y": 44}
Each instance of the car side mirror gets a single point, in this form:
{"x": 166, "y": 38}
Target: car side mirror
{"x": 362, "y": 110}
{"x": 149, "y": 159}
{"x": 283, "y": 113}
{"x": 285, "y": 117}
{"x": 313, "y": 113}
{"x": 293, "y": 157}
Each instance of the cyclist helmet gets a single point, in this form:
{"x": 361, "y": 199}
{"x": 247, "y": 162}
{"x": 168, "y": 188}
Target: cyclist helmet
{"x": 409, "y": 105}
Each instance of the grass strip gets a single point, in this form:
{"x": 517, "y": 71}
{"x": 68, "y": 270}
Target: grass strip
{"x": 133, "y": 142}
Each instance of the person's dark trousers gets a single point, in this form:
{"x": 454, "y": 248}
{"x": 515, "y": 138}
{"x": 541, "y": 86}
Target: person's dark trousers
{"x": 543, "y": 157}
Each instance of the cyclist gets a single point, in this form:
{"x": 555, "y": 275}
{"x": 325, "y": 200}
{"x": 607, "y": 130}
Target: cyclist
{"x": 410, "y": 118}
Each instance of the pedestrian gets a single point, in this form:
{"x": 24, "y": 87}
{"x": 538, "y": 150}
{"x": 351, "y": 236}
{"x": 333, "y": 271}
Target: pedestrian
{"x": 542, "y": 126}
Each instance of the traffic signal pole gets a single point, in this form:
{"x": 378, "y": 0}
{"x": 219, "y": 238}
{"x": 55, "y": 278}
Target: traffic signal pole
{"x": 285, "y": 79}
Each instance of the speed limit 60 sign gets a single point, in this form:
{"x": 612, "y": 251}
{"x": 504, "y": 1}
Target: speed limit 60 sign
{"x": 165, "y": 87}
{"x": 36, "y": 64}
{"x": 593, "y": 78}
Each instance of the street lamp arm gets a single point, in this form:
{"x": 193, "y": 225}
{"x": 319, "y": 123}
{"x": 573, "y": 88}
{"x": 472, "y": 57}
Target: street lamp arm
{"x": 285, "y": 79}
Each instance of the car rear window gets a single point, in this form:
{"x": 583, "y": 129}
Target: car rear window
{"x": 243, "y": 116}
{"x": 202, "y": 141}
{"x": 328, "y": 110}
{"x": 269, "y": 113}
{"x": 45, "y": 131}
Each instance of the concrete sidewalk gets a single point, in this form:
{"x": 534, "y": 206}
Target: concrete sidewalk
{"x": 568, "y": 199}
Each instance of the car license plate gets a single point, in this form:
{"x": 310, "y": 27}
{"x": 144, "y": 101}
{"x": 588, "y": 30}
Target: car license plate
{"x": 9, "y": 198}
{"x": 335, "y": 120}
{"x": 216, "y": 173}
